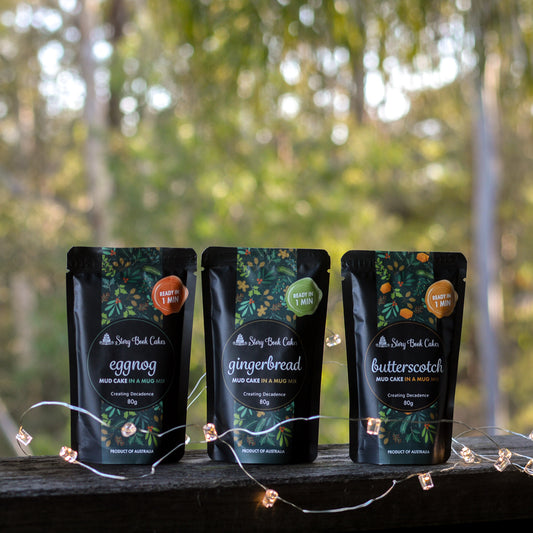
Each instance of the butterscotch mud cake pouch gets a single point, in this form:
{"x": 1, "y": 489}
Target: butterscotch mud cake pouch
{"x": 403, "y": 316}
{"x": 130, "y": 316}
{"x": 264, "y": 318}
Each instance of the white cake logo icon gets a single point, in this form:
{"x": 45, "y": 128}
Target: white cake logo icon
{"x": 106, "y": 340}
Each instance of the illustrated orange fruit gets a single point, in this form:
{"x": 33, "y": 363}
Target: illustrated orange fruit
{"x": 406, "y": 313}
{"x": 385, "y": 288}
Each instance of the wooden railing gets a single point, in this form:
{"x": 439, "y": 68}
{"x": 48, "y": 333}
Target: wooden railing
{"x": 48, "y": 494}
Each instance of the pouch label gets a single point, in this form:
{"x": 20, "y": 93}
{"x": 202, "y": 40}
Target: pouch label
{"x": 303, "y": 297}
{"x": 169, "y": 294}
{"x": 130, "y": 363}
{"x": 441, "y": 298}
{"x": 264, "y": 365}
{"x": 404, "y": 364}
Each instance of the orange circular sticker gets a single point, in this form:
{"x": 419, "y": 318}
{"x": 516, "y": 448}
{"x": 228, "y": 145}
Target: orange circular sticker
{"x": 441, "y": 298}
{"x": 169, "y": 295}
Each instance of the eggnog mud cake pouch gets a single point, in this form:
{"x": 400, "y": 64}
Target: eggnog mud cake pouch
{"x": 130, "y": 320}
{"x": 264, "y": 319}
{"x": 403, "y": 316}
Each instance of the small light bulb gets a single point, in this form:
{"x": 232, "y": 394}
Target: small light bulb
{"x": 210, "y": 432}
{"x": 187, "y": 439}
{"x": 128, "y": 429}
{"x": 502, "y": 463}
{"x": 24, "y": 437}
{"x": 333, "y": 340}
{"x": 528, "y": 469}
{"x": 68, "y": 454}
{"x": 373, "y": 425}
{"x": 425, "y": 481}
{"x": 504, "y": 452}
{"x": 270, "y": 498}
{"x": 530, "y": 436}
{"x": 467, "y": 454}
{"x": 504, "y": 459}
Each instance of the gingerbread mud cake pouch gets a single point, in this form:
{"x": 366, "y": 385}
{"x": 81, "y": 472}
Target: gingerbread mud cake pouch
{"x": 403, "y": 316}
{"x": 129, "y": 320}
{"x": 264, "y": 318}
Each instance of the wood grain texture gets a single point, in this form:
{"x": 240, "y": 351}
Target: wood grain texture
{"x": 197, "y": 494}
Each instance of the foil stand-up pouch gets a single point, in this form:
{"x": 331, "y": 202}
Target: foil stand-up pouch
{"x": 264, "y": 317}
{"x": 403, "y": 317}
{"x": 130, "y": 314}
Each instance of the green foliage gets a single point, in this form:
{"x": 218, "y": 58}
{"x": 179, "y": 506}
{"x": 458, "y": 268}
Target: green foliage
{"x": 257, "y": 421}
{"x": 258, "y": 124}
{"x": 399, "y": 429}
{"x": 149, "y": 421}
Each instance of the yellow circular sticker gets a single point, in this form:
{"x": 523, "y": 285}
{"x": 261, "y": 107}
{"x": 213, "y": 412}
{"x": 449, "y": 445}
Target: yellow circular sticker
{"x": 441, "y": 298}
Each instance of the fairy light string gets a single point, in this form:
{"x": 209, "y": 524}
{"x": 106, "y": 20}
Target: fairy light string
{"x": 502, "y": 459}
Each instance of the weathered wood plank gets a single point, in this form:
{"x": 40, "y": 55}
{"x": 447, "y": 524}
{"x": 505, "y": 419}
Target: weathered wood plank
{"x": 196, "y": 494}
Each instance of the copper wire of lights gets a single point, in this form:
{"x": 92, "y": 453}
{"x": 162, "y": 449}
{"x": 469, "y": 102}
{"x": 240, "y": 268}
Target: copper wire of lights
{"x": 501, "y": 460}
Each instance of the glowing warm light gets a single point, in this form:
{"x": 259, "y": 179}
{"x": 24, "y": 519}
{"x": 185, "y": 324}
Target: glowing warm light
{"x": 128, "y": 429}
{"x": 270, "y": 498}
{"x": 373, "y": 425}
{"x": 68, "y": 454}
{"x": 426, "y": 482}
{"x": 210, "y": 432}
{"x": 467, "y": 454}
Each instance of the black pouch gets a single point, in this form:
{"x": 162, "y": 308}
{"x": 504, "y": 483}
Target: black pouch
{"x": 264, "y": 318}
{"x": 403, "y": 316}
{"x": 130, "y": 314}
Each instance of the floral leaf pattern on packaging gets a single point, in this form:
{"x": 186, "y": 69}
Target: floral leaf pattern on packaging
{"x": 401, "y": 429}
{"x": 258, "y": 421}
{"x": 263, "y": 276}
{"x": 128, "y": 275}
{"x": 149, "y": 420}
{"x": 402, "y": 279}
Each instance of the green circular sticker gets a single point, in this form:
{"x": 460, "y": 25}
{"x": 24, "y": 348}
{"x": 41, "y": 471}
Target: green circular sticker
{"x": 303, "y": 297}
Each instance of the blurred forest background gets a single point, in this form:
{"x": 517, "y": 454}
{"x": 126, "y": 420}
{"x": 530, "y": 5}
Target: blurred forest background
{"x": 336, "y": 124}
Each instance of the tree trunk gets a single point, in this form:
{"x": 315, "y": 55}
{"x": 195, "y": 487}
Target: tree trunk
{"x": 99, "y": 182}
{"x": 23, "y": 306}
{"x": 487, "y": 265}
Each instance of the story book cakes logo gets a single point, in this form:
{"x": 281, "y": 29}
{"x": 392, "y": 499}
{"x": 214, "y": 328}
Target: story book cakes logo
{"x": 106, "y": 340}
{"x": 382, "y": 343}
{"x": 239, "y": 341}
